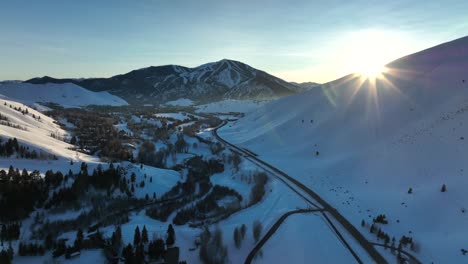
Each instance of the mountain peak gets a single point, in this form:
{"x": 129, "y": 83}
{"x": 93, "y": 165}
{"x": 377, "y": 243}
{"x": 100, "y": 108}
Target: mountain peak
{"x": 223, "y": 79}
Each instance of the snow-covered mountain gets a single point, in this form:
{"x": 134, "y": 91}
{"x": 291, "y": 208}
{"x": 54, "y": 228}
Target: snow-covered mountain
{"x": 362, "y": 144}
{"x": 65, "y": 94}
{"x": 225, "y": 79}
{"x": 305, "y": 86}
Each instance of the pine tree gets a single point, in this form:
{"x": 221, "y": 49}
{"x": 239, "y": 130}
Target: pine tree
{"x": 363, "y": 223}
{"x": 79, "y": 238}
{"x": 137, "y": 236}
{"x": 127, "y": 253}
{"x": 237, "y": 237}
{"x": 243, "y": 230}
{"x": 170, "y": 240}
{"x": 257, "y": 230}
{"x": 410, "y": 190}
{"x": 144, "y": 235}
{"x": 139, "y": 254}
{"x": 10, "y": 251}
{"x": 444, "y": 188}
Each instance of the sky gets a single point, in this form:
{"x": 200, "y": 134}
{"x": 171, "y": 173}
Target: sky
{"x": 298, "y": 40}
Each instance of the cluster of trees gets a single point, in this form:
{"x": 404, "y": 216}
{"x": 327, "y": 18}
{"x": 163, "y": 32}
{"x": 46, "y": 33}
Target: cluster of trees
{"x": 156, "y": 249}
{"x": 380, "y": 234}
{"x": 11, "y": 146}
{"x": 212, "y": 248}
{"x": 20, "y": 193}
{"x": 257, "y": 230}
{"x": 104, "y": 211}
{"x": 216, "y": 148}
{"x": 10, "y": 231}
{"x": 6, "y": 256}
{"x": 258, "y": 190}
{"x": 381, "y": 218}
{"x": 96, "y": 133}
{"x": 208, "y": 207}
{"x": 92, "y": 241}
{"x": 147, "y": 154}
{"x": 181, "y": 145}
{"x": 30, "y": 249}
{"x": 235, "y": 160}
{"x": 179, "y": 196}
{"x": 101, "y": 179}
{"x": 3, "y": 117}
{"x": 199, "y": 169}
{"x": 239, "y": 235}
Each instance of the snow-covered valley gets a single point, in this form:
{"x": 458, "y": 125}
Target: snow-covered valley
{"x": 205, "y": 181}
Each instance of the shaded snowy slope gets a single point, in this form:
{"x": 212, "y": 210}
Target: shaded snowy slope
{"x": 363, "y": 144}
{"x": 66, "y": 94}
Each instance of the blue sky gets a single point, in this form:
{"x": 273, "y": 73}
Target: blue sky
{"x": 296, "y": 40}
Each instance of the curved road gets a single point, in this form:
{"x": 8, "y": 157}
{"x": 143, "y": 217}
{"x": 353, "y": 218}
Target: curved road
{"x": 299, "y": 187}
{"x": 273, "y": 229}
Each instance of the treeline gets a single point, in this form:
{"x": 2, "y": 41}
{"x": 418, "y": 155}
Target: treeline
{"x": 101, "y": 179}
{"x": 208, "y": 207}
{"x": 95, "y": 133}
{"x": 22, "y": 191}
{"x": 10, "y": 231}
{"x": 11, "y": 146}
{"x": 196, "y": 185}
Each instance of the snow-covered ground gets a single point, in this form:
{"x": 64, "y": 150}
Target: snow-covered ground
{"x": 304, "y": 238}
{"x": 227, "y": 106}
{"x": 180, "y": 102}
{"x": 362, "y": 144}
{"x": 67, "y": 94}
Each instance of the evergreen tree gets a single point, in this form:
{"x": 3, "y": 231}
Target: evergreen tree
{"x": 144, "y": 235}
{"x": 170, "y": 240}
{"x": 4, "y": 258}
{"x": 243, "y": 230}
{"x": 79, "y": 238}
{"x": 156, "y": 249}
{"x": 10, "y": 251}
{"x": 444, "y": 188}
{"x": 137, "y": 236}
{"x": 127, "y": 253}
{"x": 139, "y": 254}
{"x": 237, "y": 237}
{"x": 257, "y": 230}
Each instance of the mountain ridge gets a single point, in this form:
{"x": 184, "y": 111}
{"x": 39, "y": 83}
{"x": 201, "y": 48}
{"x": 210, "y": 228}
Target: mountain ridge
{"x": 224, "y": 79}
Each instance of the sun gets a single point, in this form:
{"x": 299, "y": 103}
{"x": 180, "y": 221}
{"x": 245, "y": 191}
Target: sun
{"x": 371, "y": 70}
{"x": 367, "y": 52}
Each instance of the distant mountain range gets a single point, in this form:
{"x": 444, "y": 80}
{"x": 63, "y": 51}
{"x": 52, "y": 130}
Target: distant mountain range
{"x": 224, "y": 79}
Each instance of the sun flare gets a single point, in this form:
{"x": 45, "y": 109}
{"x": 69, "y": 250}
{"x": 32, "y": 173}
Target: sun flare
{"x": 368, "y": 51}
{"x": 371, "y": 70}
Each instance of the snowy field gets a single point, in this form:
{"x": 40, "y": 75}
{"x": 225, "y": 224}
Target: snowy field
{"x": 304, "y": 238}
